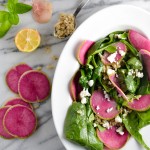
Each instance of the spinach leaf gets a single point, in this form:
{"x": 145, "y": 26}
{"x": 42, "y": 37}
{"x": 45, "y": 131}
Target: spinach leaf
{"x": 75, "y": 127}
{"x": 83, "y": 81}
{"x": 131, "y": 83}
{"x": 130, "y": 47}
{"x": 131, "y": 123}
{"x": 111, "y": 49}
{"x": 96, "y": 46}
{"x": 135, "y": 63}
{"x": 79, "y": 129}
{"x": 122, "y": 36}
{"x": 93, "y": 142}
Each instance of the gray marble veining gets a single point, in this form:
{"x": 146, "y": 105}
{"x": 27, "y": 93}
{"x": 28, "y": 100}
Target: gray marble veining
{"x": 45, "y": 138}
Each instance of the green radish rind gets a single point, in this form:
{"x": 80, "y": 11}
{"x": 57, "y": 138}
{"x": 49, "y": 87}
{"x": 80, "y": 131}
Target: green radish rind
{"x": 16, "y": 134}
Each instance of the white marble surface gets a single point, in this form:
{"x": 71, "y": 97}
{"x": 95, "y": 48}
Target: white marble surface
{"x": 45, "y": 138}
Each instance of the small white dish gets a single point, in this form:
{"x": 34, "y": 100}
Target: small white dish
{"x": 118, "y": 17}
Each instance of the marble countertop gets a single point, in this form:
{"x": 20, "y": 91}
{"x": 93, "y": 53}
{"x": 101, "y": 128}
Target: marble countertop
{"x": 46, "y": 56}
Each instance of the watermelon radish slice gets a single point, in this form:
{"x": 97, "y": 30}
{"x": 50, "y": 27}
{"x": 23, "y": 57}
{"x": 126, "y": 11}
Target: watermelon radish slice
{"x": 138, "y": 40}
{"x": 115, "y": 82}
{"x": 121, "y": 47}
{"x": 20, "y": 121}
{"x": 112, "y": 139}
{"x": 142, "y": 104}
{"x": 17, "y": 100}
{"x": 82, "y": 51}
{"x": 34, "y": 86}
{"x": 146, "y": 59}
{"x": 13, "y": 76}
{"x": 3, "y": 132}
{"x": 105, "y": 109}
{"x": 75, "y": 87}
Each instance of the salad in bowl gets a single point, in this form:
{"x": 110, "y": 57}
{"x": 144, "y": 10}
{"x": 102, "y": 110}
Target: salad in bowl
{"x": 110, "y": 92}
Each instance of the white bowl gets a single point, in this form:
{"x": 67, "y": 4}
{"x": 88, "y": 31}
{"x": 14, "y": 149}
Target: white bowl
{"x": 118, "y": 17}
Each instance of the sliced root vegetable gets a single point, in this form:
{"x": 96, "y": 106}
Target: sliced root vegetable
{"x": 34, "y": 86}
{"x": 20, "y": 121}
{"x": 146, "y": 59}
{"x": 105, "y": 109}
{"x": 17, "y": 100}
{"x": 115, "y": 82}
{"x": 112, "y": 139}
{"x": 121, "y": 51}
{"x": 3, "y": 132}
{"x": 13, "y": 76}
{"x": 142, "y": 104}
{"x": 75, "y": 87}
{"x": 82, "y": 51}
{"x": 138, "y": 40}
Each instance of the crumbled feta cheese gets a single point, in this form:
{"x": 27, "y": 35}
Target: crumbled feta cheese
{"x": 129, "y": 73}
{"x": 111, "y": 57}
{"x": 109, "y": 110}
{"x": 121, "y": 52}
{"x": 120, "y": 130}
{"x": 106, "y": 124}
{"x": 90, "y": 83}
{"x": 94, "y": 124}
{"x": 116, "y": 75}
{"x": 139, "y": 74}
{"x": 118, "y": 119}
{"x": 80, "y": 112}
{"x": 125, "y": 113}
{"x": 84, "y": 93}
{"x": 110, "y": 71}
{"x": 109, "y": 83}
{"x": 97, "y": 108}
{"x": 83, "y": 100}
{"x": 107, "y": 97}
{"x": 119, "y": 95}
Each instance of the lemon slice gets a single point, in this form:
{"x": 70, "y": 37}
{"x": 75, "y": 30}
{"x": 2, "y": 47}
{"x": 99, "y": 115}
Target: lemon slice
{"x": 27, "y": 40}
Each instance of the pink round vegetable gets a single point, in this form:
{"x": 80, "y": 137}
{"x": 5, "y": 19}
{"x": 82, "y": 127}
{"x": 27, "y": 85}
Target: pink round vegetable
{"x": 13, "y": 76}
{"x": 41, "y": 11}
{"x": 142, "y": 104}
{"x": 115, "y": 82}
{"x": 121, "y": 49}
{"x": 138, "y": 40}
{"x": 146, "y": 58}
{"x": 112, "y": 139}
{"x": 34, "y": 86}
{"x": 105, "y": 109}
{"x": 20, "y": 121}
{"x": 17, "y": 100}
{"x": 3, "y": 132}
{"x": 82, "y": 51}
{"x": 75, "y": 87}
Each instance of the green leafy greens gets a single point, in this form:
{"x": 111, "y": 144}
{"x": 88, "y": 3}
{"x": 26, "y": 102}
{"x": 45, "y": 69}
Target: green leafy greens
{"x": 11, "y": 17}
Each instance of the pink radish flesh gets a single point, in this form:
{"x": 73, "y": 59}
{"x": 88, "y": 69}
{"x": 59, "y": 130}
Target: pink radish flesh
{"x": 146, "y": 58}
{"x": 120, "y": 47}
{"x": 142, "y": 104}
{"x": 16, "y": 101}
{"x": 3, "y": 133}
{"x": 34, "y": 86}
{"x": 81, "y": 54}
{"x": 75, "y": 87}
{"x": 115, "y": 83}
{"x": 100, "y": 106}
{"x": 138, "y": 40}
{"x": 20, "y": 121}
{"x": 14, "y": 74}
{"x": 112, "y": 139}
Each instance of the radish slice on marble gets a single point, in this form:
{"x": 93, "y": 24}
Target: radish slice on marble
{"x": 13, "y": 76}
